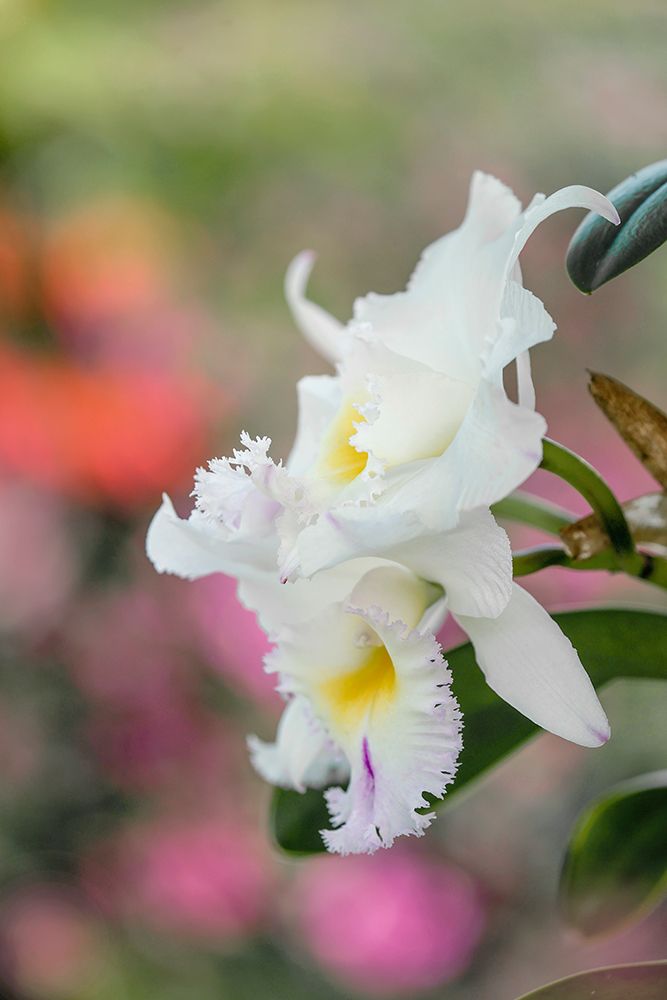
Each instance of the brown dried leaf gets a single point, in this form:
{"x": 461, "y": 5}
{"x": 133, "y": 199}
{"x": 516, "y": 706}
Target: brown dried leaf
{"x": 646, "y": 517}
{"x": 642, "y": 425}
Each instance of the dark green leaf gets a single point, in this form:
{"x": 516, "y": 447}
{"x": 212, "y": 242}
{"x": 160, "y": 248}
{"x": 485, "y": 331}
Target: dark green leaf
{"x": 616, "y": 866}
{"x": 644, "y": 981}
{"x": 492, "y": 729}
{"x": 599, "y": 251}
{"x": 296, "y": 820}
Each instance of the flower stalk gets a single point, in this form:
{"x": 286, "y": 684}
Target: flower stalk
{"x": 583, "y": 477}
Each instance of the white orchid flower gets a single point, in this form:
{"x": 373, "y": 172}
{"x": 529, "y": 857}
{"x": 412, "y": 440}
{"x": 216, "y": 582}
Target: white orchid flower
{"x": 416, "y": 426}
{"x": 369, "y": 701}
{"x": 396, "y": 460}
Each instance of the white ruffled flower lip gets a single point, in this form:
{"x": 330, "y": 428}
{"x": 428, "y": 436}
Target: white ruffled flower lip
{"x": 374, "y": 692}
{"x": 378, "y": 525}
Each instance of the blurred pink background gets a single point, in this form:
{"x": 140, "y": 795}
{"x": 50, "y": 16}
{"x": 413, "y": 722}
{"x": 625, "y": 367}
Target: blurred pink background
{"x": 160, "y": 166}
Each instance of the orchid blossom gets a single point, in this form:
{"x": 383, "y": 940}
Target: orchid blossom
{"x": 378, "y": 525}
{"x": 416, "y": 425}
{"x": 369, "y": 700}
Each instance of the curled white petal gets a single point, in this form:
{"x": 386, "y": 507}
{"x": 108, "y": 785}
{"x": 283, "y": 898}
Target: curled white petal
{"x": 574, "y": 196}
{"x": 320, "y": 397}
{"x": 525, "y": 387}
{"x": 282, "y": 604}
{"x": 497, "y": 447}
{"x": 473, "y": 564}
{"x": 303, "y": 756}
{"x": 193, "y": 548}
{"x": 320, "y": 329}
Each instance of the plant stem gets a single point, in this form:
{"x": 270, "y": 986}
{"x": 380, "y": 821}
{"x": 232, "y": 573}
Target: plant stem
{"x": 583, "y": 477}
{"x": 534, "y": 511}
{"x": 532, "y": 560}
{"x": 652, "y": 569}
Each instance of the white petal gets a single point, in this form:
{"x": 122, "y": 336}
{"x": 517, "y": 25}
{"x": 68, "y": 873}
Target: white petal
{"x": 246, "y": 492}
{"x": 454, "y": 309}
{"x": 278, "y": 604}
{"x": 319, "y": 400}
{"x": 399, "y": 592}
{"x": 497, "y": 447}
{"x": 302, "y": 756}
{"x": 427, "y": 329}
{"x": 195, "y": 547}
{"x": 524, "y": 322}
{"x": 349, "y": 532}
{"x": 415, "y": 412}
{"x": 492, "y": 207}
{"x": 320, "y": 329}
{"x": 452, "y": 298}
{"x": 524, "y": 378}
{"x": 492, "y": 210}
{"x": 532, "y": 665}
{"x": 473, "y": 563}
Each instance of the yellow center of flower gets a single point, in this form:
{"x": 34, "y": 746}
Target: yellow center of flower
{"x": 371, "y": 687}
{"x": 340, "y": 462}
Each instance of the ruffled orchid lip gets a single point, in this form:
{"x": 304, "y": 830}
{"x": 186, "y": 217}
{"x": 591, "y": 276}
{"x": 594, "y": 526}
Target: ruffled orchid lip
{"x": 390, "y": 711}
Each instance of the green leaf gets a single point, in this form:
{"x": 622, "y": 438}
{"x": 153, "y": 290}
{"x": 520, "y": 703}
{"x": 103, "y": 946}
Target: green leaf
{"x": 492, "y": 729}
{"x": 643, "y": 981}
{"x": 599, "y": 251}
{"x": 296, "y": 820}
{"x": 616, "y": 866}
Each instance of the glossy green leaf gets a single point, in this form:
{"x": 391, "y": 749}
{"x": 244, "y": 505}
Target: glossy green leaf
{"x": 492, "y": 729}
{"x": 600, "y": 251}
{"x": 296, "y": 820}
{"x": 643, "y": 981}
{"x": 616, "y": 866}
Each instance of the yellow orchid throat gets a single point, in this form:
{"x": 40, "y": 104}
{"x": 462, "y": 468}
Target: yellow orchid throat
{"x": 340, "y": 462}
{"x": 350, "y": 697}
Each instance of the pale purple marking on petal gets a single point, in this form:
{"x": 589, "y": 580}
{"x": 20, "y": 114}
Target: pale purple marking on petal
{"x": 366, "y": 756}
{"x": 333, "y": 521}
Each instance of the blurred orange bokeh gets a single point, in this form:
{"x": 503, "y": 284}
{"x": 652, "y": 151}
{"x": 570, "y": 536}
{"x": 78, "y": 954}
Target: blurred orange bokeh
{"x": 101, "y": 436}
